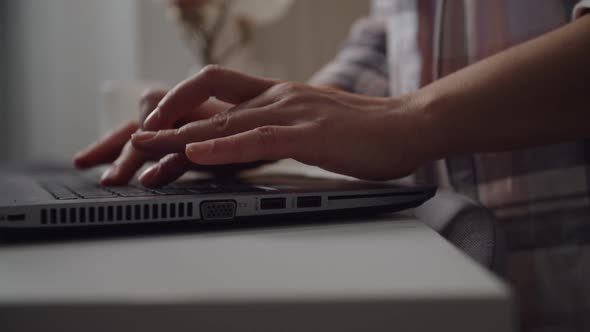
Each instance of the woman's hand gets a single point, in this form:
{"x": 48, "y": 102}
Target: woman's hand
{"x": 369, "y": 138}
{"x": 115, "y": 148}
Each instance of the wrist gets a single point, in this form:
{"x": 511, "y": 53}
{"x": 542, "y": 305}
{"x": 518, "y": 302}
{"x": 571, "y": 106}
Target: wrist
{"x": 431, "y": 135}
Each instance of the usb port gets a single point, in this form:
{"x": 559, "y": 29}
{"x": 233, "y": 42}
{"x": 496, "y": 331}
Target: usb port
{"x": 273, "y": 203}
{"x": 15, "y": 217}
{"x": 309, "y": 201}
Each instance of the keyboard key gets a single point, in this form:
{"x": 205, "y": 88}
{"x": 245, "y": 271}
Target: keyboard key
{"x": 130, "y": 191}
{"x": 172, "y": 191}
{"x": 136, "y": 194}
{"x": 98, "y": 195}
{"x": 87, "y": 190}
{"x": 202, "y": 191}
{"x": 66, "y": 197}
{"x": 74, "y": 189}
{"x": 59, "y": 191}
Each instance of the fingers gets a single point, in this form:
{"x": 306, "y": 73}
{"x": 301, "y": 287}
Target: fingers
{"x": 124, "y": 167}
{"x": 213, "y": 81}
{"x": 168, "y": 169}
{"x": 148, "y": 102}
{"x": 107, "y": 148}
{"x": 127, "y": 160}
{"x": 204, "y": 111}
{"x": 220, "y": 125}
{"x": 173, "y": 166}
{"x": 262, "y": 143}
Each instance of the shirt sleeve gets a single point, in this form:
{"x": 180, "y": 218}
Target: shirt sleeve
{"x": 582, "y": 8}
{"x": 361, "y": 65}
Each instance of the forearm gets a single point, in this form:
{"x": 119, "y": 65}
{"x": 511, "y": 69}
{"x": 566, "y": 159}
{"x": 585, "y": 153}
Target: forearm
{"x": 529, "y": 95}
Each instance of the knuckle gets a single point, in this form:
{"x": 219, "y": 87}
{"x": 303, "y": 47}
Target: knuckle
{"x": 182, "y": 131}
{"x": 296, "y": 99}
{"x": 211, "y": 71}
{"x": 220, "y": 120}
{"x": 293, "y": 93}
{"x": 289, "y": 87}
{"x": 178, "y": 133}
{"x": 267, "y": 137}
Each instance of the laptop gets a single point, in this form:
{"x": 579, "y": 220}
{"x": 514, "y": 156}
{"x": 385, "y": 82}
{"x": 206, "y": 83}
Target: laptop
{"x": 43, "y": 197}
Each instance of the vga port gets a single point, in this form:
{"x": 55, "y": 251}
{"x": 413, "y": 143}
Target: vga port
{"x": 218, "y": 210}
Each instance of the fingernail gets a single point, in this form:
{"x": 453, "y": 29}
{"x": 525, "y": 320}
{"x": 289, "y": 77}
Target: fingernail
{"x": 78, "y": 159}
{"x": 198, "y": 148}
{"x": 108, "y": 174}
{"x": 143, "y": 136}
{"x": 149, "y": 174}
{"x": 150, "y": 118}
{"x": 79, "y": 155}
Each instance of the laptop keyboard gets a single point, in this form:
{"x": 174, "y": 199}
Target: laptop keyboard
{"x": 88, "y": 190}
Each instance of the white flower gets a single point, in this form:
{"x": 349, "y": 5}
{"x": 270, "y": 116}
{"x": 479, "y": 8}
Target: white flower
{"x": 205, "y": 20}
{"x": 261, "y": 12}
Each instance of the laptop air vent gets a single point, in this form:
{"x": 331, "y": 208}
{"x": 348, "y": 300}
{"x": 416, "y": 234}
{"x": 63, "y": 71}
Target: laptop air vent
{"x": 155, "y": 214}
{"x": 116, "y": 213}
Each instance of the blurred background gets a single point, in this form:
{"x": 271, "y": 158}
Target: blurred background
{"x": 59, "y": 55}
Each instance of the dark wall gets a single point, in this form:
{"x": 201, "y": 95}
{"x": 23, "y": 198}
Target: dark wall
{"x": 6, "y": 103}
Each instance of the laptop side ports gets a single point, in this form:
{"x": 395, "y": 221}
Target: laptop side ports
{"x": 275, "y": 203}
{"x": 16, "y": 217}
{"x": 218, "y": 210}
{"x": 309, "y": 202}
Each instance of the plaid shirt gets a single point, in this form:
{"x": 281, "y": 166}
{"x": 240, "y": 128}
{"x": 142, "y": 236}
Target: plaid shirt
{"x": 540, "y": 194}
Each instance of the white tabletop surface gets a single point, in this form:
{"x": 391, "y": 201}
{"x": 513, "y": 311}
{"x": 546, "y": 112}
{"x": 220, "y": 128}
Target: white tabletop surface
{"x": 388, "y": 266}
{"x": 366, "y": 274}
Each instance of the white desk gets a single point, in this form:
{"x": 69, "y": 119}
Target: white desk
{"x": 389, "y": 273}
{"x": 383, "y": 274}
